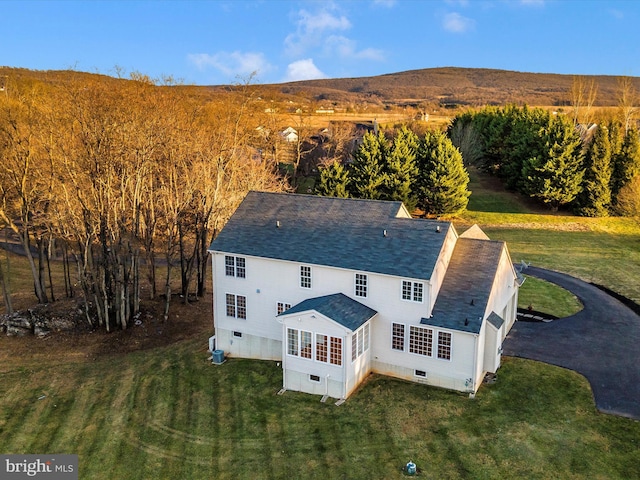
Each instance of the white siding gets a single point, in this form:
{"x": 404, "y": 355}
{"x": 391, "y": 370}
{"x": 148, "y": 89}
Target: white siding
{"x": 270, "y": 281}
{"x": 492, "y": 354}
{"x": 298, "y": 369}
{"x": 503, "y": 299}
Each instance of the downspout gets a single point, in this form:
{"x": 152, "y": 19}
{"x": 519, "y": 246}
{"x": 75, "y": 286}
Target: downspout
{"x": 213, "y": 288}
{"x": 344, "y": 367}
{"x": 475, "y": 362}
{"x": 284, "y": 356}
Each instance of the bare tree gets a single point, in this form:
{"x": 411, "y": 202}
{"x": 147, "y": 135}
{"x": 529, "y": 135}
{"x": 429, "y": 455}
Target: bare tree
{"x": 627, "y": 101}
{"x": 22, "y": 171}
{"x": 583, "y": 96}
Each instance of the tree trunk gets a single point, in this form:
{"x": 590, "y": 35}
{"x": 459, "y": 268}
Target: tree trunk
{"x": 40, "y": 293}
{"x": 6, "y": 292}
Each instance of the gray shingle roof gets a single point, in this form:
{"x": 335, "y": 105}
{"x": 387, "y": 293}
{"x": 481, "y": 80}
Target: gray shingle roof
{"x": 495, "y": 320}
{"x": 338, "y": 307}
{"x": 337, "y": 232}
{"x": 464, "y": 294}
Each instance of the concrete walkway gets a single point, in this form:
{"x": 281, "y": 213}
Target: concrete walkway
{"x": 602, "y": 342}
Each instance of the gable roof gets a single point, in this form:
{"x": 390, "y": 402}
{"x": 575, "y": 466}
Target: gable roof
{"x": 344, "y": 310}
{"x": 474, "y": 231}
{"x": 465, "y": 291}
{"x": 336, "y": 232}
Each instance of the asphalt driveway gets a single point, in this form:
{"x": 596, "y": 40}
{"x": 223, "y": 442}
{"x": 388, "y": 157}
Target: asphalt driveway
{"x": 602, "y": 342}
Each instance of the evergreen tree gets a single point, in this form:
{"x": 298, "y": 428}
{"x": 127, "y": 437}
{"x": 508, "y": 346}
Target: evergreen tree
{"x": 595, "y": 198}
{"x": 334, "y": 181}
{"x": 400, "y": 168}
{"x": 441, "y": 186}
{"x": 626, "y": 164}
{"x": 555, "y": 175}
{"x": 523, "y": 142}
{"x": 367, "y": 170}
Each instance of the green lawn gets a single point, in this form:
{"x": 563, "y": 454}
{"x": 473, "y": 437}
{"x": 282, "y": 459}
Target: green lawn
{"x": 168, "y": 413}
{"x": 605, "y": 251}
{"x": 546, "y": 297}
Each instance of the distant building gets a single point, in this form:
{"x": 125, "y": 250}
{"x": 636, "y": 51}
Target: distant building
{"x": 290, "y": 135}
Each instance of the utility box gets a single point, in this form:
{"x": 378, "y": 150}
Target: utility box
{"x": 218, "y": 357}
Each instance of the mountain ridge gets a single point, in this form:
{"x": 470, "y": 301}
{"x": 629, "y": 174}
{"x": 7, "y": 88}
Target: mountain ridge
{"x": 459, "y": 86}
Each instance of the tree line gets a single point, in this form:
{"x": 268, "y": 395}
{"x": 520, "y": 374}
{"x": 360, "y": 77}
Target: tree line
{"x": 589, "y": 168}
{"x": 117, "y": 178}
{"x": 425, "y": 172}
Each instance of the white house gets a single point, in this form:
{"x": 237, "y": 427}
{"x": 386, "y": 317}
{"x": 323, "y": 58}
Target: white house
{"x": 290, "y": 135}
{"x": 338, "y": 288}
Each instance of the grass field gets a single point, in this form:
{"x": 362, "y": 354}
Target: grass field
{"x": 605, "y": 251}
{"x": 168, "y": 413}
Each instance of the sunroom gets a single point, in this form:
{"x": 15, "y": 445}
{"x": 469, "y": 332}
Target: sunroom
{"x": 327, "y": 345}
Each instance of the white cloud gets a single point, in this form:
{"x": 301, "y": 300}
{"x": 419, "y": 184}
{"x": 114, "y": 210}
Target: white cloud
{"x": 311, "y": 29}
{"x": 456, "y": 23}
{"x": 617, "y": 14}
{"x": 303, "y": 70}
{"x": 345, "y": 48}
{"x": 384, "y": 3}
{"x": 232, "y": 63}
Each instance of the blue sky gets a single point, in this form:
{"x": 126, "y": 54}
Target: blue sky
{"x": 222, "y": 42}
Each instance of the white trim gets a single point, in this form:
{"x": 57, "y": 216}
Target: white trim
{"x": 450, "y": 346}
{"x": 409, "y": 345}
{"x": 365, "y": 285}
{"x": 413, "y": 284}
{"x": 300, "y": 277}
{"x": 404, "y": 337}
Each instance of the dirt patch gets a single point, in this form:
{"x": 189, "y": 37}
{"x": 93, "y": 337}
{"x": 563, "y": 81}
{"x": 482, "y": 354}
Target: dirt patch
{"x": 84, "y": 343}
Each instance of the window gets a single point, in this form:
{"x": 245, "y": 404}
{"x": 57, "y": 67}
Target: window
{"x": 305, "y": 276}
{"x": 354, "y": 347}
{"x": 237, "y": 334}
{"x": 412, "y": 291}
{"x": 397, "y": 337}
{"x": 282, "y": 307}
{"x": 361, "y": 285}
{"x": 306, "y": 349}
{"x": 299, "y": 343}
{"x": 444, "y": 345}
{"x": 236, "y": 306}
{"x": 314, "y": 378}
{"x": 420, "y": 373}
{"x": 235, "y": 266}
{"x": 360, "y": 342}
{"x": 366, "y": 337}
{"x": 292, "y": 341}
{"x": 242, "y": 306}
{"x": 417, "y": 291}
{"x": 321, "y": 348}
{"x": 335, "y": 357}
{"x": 420, "y": 340}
